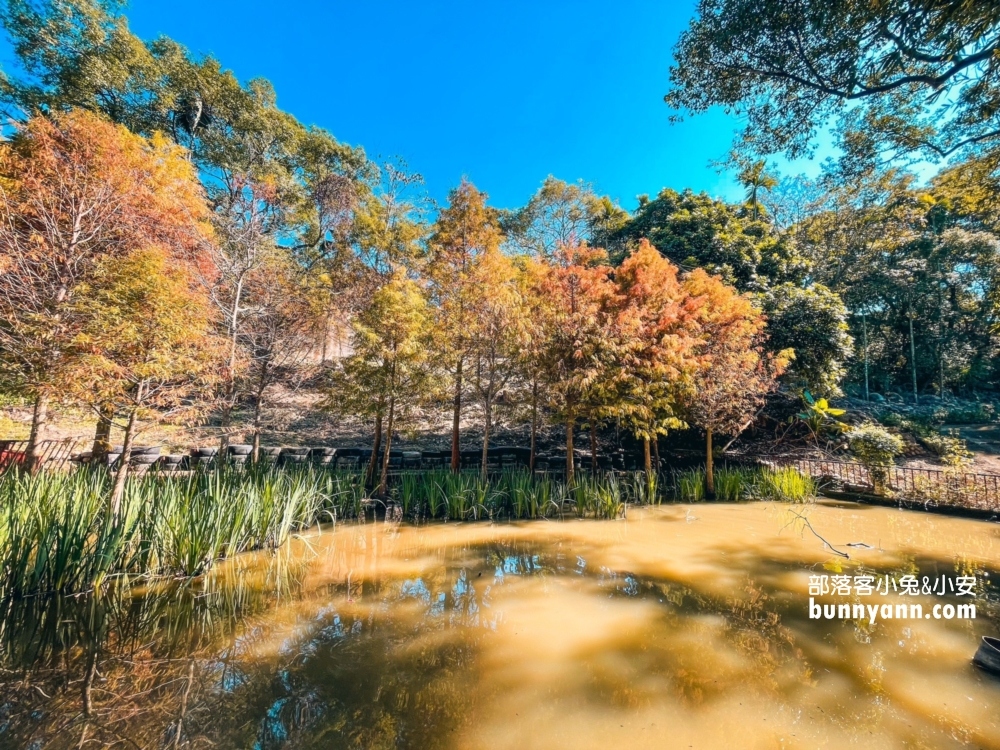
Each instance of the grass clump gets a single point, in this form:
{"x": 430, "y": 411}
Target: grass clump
{"x": 735, "y": 484}
{"x": 58, "y": 532}
{"x": 786, "y": 484}
{"x": 690, "y": 485}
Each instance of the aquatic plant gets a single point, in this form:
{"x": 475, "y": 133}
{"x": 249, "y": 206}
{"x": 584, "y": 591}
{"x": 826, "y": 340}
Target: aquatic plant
{"x": 786, "y": 484}
{"x": 733, "y": 484}
{"x": 690, "y": 485}
{"x": 59, "y": 533}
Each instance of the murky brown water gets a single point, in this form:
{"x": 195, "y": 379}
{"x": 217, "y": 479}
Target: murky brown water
{"x": 682, "y": 627}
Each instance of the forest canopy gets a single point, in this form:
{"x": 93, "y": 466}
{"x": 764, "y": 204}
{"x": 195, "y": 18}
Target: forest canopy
{"x": 286, "y": 245}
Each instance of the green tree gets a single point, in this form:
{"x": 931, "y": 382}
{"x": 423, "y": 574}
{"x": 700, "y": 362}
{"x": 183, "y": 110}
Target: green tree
{"x": 908, "y": 76}
{"x": 145, "y": 342}
{"x": 389, "y": 373}
{"x": 810, "y": 322}
{"x": 755, "y": 178}
{"x": 465, "y": 231}
{"x": 694, "y": 230}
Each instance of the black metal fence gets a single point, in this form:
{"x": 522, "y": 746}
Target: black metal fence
{"x": 946, "y": 487}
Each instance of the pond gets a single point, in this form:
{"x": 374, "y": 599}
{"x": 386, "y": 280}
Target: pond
{"x": 684, "y": 626}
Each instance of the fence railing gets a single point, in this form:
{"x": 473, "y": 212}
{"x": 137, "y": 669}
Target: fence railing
{"x": 922, "y": 485}
{"x": 52, "y": 454}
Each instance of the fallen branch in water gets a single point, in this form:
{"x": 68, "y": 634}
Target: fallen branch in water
{"x": 829, "y": 546}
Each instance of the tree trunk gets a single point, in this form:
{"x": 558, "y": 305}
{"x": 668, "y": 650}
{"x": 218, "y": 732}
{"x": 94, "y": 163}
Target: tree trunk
{"x": 647, "y": 460}
{"x": 709, "y": 468}
{"x": 226, "y": 418}
{"x": 372, "y": 462}
{"x": 384, "y": 480}
{"x": 593, "y": 447}
{"x": 486, "y": 438}
{"x": 39, "y": 418}
{"x": 230, "y": 389}
{"x": 864, "y": 324}
{"x": 456, "y": 461}
{"x": 258, "y": 406}
{"x": 102, "y": 435}
{"x": 913, "y": 362}
{"x": 123, "y": 464}
{"x": 534, "y": 425}
{"x": 569, "y": 453}
{"x": 255, "y": 453}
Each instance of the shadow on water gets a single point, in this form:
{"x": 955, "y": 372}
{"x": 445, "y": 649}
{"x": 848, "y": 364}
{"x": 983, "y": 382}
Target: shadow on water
{"x": 683, "y": 624}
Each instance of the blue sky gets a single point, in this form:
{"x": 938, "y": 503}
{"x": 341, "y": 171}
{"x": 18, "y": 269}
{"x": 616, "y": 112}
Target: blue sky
{"x": 504, "y": 93}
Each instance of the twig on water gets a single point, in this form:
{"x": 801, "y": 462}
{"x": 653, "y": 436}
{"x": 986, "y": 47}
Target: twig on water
{"x": 829, "y": 546}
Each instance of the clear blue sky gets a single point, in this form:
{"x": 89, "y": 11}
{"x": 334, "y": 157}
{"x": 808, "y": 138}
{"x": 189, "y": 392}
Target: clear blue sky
{"x": 505, "y": 93}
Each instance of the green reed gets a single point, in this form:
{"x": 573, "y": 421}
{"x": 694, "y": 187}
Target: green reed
{"x": 689, "y": 485}
{"x": 787, "y": 485}
{"x": 735, "y": 484}
{"x": 59, "y": 533}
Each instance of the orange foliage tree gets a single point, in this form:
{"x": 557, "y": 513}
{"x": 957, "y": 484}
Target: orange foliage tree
{"x": 580, "y": 344}
{"x": 497, "y": 331}
{"x": 733, "y": 374}
{"x": 658, "y": 317}
{"x": 74, "y": 190}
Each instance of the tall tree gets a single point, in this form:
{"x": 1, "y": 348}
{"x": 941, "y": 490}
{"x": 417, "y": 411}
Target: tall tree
{"x": 144, "y": 340}
{"x": 76, "y": 189}
{"x": 734, "y": 374}
{"x": 497, "y": 332}
{"x": 466, "y": 229}
{"x": 812, "y": 323}
{"x": 580, "y": 347}
{"x": 247, "y": 225}
{"x": 280, "y": 337}
{"x": 695, "y": 230}
{"x": 756, "y": 180}
{"x": 388, "y": 374}
{"x": 560, "y": 214}
{"x": 907, "y": 76}
{"x": 658, "y": 317}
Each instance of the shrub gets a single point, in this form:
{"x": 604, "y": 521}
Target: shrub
{"x": 876, "y": 448}
{"x": 891, "y": 419}
{"x": 950, "y": 448}
{"x": 975, "y": 413}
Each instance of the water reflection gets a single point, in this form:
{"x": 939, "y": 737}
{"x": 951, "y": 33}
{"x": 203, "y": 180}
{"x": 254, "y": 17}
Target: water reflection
{"x": 683, "y": 626}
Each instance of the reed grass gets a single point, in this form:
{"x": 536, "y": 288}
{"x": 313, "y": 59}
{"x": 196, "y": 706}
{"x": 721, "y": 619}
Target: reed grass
{"x": 690, "y": 485}
{"x": 59, "y": 534}
{"x": 786, "y": 484}
{"x": 735, "y": 484}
